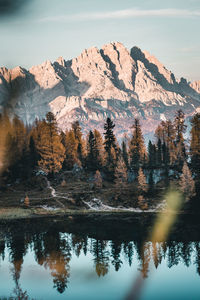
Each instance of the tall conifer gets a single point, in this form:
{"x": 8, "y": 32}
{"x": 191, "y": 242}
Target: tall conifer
{"x": 50, "y": 148}
{"x": 137, "y": 148}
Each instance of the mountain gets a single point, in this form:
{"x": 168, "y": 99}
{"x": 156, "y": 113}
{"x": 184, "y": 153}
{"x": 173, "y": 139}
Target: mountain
{"x": 111, "y": 81}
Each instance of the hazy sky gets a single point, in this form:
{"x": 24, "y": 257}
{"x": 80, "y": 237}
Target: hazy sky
{"x": 47, "y": 29}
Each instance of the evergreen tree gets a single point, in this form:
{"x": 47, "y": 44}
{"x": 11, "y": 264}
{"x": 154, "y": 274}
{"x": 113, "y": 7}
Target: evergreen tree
{"x": 151, "y": 182}
{"x": 166, "y": 163}
{"x": 77, "y": 131}
{"x": 33, "y": 155}
{"x": 159, "y": 153}
{"x": 125, "y": 154}
{"x": 137, "y": 149}
{"x": 110, "y": 147}
{"x": 166, "y": 133}
{"x": 166, "y": 155}
{"x": 187, "y": 184}
{"x": 152, "y": 154}
{"x": 50, "y": 148}
{"x": 91, "y": 162}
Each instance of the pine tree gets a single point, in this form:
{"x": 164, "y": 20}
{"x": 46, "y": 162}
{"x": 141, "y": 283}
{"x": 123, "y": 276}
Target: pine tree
{"x": 50, "y": 148}
{"x": 151, "y": 182}
{"x": 159, "y": 153}
{"x": 110, "y": 147}
{"x": 166, "y": 155}
{"x": 33, "y": 155}
{"x": 91, "y": 162}
{"x": 110, "y": 140}
{"x": 152, "y": 155}
{"x": 137, "y": 148}
{"x": 77, "y": 131}
{"x": 187, "y": 184}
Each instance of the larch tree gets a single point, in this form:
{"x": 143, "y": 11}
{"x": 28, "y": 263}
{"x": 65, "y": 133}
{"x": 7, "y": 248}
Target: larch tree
{"x": 142, "y": 182}
{"x": 16, "y": 146}
{"x": 98, "y": 180}
{"x": 71, "y": 144}
{"x": 50, "y": 148}
{"x": 98, "y": 149}
{"x": 186, "y": 182}
{"x": 137, "y": 149}
{"x": 120, "y": 173}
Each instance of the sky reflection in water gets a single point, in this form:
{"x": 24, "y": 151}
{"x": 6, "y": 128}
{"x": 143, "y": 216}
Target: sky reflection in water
{"x": 53, "y": 264}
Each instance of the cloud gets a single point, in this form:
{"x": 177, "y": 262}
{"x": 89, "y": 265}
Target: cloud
{"x": 190, "y": 49}
{"x": 123, "y": 14}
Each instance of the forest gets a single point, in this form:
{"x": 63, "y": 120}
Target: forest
{"x": 128, "y": 168}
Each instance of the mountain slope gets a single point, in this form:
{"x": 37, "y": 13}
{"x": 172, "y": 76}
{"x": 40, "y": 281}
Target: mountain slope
{"x": 111, "y": 81}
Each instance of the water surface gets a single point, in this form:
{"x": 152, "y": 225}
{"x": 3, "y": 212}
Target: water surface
{"x": 98, "y": 257}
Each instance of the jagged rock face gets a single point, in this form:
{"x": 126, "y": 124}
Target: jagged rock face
{"x": 196, "y": 86}
{"x": 110, "y": 82}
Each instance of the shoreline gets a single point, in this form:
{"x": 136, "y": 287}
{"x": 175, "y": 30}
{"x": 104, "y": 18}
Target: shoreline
{"x": 19, "y": 213}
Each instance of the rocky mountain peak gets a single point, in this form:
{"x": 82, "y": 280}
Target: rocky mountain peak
{"x": 111, "y": 81}
{"x": 196, "y": 86}
{"x": 60, "y": 60}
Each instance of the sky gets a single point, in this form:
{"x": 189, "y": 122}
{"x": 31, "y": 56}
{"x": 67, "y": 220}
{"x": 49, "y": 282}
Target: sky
{"x": 33, "y": 31}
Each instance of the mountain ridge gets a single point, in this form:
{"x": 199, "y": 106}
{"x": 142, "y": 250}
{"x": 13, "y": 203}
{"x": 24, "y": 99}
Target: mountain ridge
{"x": 111, "y": 81}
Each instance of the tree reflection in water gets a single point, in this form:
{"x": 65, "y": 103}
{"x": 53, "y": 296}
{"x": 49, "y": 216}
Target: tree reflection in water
{"x": 54, "y": 244}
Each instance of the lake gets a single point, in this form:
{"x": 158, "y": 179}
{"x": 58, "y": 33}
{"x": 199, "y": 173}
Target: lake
{"x": 99, "y": 257}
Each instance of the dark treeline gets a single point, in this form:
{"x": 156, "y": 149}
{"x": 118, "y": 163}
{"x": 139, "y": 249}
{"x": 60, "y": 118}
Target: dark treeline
{"x": 43, "y": 147}
{"x": 53, "y": 250}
